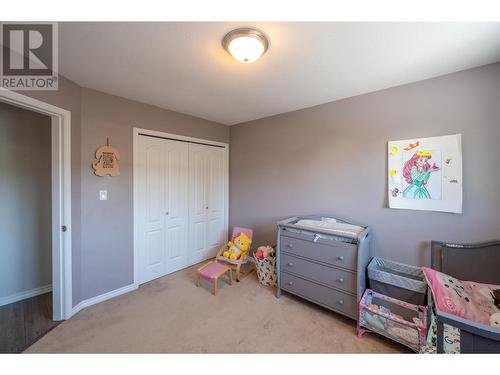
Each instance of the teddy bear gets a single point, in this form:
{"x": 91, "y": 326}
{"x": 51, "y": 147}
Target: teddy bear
{"x": 239, "y": 246}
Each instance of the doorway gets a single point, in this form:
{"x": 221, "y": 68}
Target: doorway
{"x": 35, "y": 223}
{"x": 25, "y": 227}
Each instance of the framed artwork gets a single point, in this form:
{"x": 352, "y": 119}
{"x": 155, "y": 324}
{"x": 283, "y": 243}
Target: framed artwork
{"x": 426, "y": 173}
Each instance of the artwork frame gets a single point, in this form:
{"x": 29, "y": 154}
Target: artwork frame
{"x": 426, "y": 174}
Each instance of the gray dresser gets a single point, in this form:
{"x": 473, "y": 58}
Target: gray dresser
{"x": 324, "y": 268}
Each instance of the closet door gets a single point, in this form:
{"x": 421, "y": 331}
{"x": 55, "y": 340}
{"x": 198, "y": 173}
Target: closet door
{"x": 176, "y": 205}
{"x": 206, "y": 197}
{"x": 162, "y": 207}
{"x": 151, "y": 209}
{"x": 216, "y": 234}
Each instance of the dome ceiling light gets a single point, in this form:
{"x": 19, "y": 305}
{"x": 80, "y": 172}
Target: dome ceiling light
{"x": 245, "y": 44}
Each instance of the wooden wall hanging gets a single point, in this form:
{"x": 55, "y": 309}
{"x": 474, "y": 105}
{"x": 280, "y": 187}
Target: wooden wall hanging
{"x": 106, "y": 163}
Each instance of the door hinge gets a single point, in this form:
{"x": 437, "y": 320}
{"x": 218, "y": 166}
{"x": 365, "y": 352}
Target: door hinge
{"x": 64, "y": 228}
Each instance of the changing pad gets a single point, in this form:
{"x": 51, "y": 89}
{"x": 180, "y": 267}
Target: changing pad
{"x": 332, "y": 226}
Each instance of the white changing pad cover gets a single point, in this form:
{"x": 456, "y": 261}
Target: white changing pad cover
{"x": 332, "y": 226}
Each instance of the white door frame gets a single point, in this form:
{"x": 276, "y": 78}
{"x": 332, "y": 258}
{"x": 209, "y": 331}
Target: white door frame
{"x": 136, "y": 132}
{"x": 61, "y": 197}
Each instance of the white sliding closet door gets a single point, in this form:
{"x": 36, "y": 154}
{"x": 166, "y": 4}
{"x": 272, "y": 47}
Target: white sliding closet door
{"x": 162, "y": 209}
{"x": 207, "y": 174}
{"x": 177, "y": 208}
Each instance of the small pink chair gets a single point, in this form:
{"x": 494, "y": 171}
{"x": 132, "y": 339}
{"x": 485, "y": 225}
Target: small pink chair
{"x": 236, "y": 265}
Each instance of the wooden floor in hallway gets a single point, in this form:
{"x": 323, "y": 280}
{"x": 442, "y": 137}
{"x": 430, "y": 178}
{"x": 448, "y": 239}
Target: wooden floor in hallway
{"x": 22, "y": 323}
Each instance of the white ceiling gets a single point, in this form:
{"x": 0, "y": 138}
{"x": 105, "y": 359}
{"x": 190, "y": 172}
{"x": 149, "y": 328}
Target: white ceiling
{"x": 183, "y": 67}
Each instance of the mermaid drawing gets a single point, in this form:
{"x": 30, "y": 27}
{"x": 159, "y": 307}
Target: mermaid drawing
{"x": 417, "y": 172}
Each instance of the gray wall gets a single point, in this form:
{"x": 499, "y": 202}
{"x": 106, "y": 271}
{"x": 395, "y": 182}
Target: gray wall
{"x": 25, "y": 200}
{"x": 107, "y": 226}
{"x": 332, "y": 159}
{"x": 103, "y": 231}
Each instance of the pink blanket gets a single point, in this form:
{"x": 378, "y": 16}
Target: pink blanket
{"x": 466, "y": 299}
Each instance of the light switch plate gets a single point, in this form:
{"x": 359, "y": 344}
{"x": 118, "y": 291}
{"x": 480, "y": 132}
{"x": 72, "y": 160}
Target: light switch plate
{"x": 103, "y": 195}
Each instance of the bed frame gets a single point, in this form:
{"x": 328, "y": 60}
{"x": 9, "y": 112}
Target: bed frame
{"x": 478, "y": 262}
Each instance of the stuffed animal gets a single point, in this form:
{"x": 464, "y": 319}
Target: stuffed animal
{"x": 495, "y": 320}
{"x": 237, "y": 248}
{"x": 263, "y": 252}
{"x": 375, "y": 320}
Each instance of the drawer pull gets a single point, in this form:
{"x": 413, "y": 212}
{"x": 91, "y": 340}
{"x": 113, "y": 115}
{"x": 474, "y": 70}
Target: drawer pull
{"x": 290, "y": 264}
{"x": 341, "y": 257}
{"x": 290, "y": 283}
{"x": 341, "y": 302}
{"x": 341, "y": 280}
{"x": 290, "y": 245}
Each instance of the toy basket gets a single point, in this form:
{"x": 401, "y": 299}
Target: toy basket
{"x": 266, "y": 270}
{"x": 398, "y": 320}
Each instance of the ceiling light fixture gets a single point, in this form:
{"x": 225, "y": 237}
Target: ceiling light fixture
{"x": 245, "y": 44}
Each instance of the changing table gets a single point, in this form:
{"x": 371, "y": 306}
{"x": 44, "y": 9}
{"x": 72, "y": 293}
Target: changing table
{"x": 323, "y": 259}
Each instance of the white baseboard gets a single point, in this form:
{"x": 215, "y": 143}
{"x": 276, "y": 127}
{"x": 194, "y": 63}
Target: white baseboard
{"x": 24, "y": 295}
{"x": 103, "y": 297}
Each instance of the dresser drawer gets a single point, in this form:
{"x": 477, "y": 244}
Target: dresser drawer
{"x": 338, "y": 253}
{"x": 335, "y": 277}
{"x": 330, "y": 298}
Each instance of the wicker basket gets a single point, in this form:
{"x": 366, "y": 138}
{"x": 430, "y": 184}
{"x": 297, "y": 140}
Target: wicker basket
{"x": 266, "y": 270}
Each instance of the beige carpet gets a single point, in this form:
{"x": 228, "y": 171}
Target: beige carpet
{"x": 171, "y": 315}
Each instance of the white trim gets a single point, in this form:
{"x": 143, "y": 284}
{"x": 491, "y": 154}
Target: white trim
{"x": 61, "y": 197}
{"x": 24, "y": 295}
{"x": 135, "y": 162}
{"x": 136, "y": 132}
{"x": 103, "y": 297}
